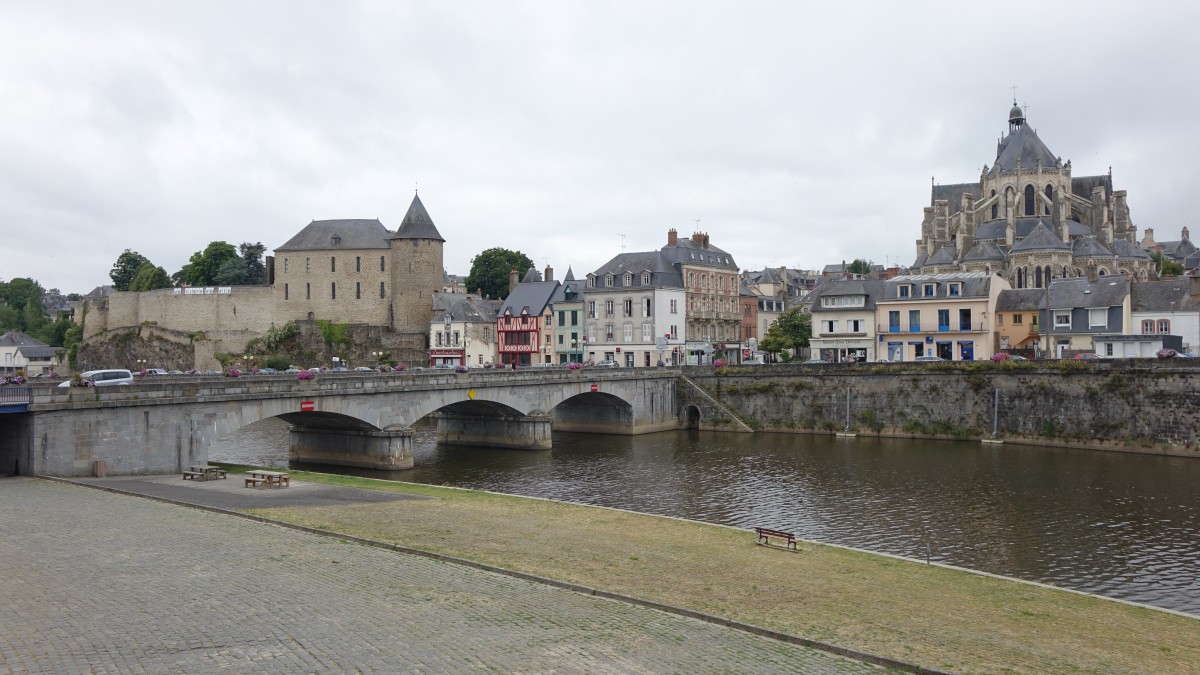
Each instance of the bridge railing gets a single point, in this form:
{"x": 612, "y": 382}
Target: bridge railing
{"x": 16, "y": 395}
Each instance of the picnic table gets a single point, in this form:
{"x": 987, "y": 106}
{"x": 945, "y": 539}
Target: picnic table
{"x": 203, "y": 472}
{"x": 267, "y": 478}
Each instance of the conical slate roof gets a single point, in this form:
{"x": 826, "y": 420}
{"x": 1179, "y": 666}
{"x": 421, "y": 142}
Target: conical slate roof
{"x": 1041, "y": 239}
{"x": 531, "y": 276}
{"x": 417, "y": 223}
{"x": 983, "y": 251}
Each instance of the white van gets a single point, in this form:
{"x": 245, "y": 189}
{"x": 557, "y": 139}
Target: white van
{"x": 105, "y": 378}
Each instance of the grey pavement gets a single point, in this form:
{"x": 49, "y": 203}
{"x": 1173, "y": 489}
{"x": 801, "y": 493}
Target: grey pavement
{"x": 97, "y": 582}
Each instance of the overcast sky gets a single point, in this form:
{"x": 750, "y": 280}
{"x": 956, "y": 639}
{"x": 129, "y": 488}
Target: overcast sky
{"x": 797, "y": 134}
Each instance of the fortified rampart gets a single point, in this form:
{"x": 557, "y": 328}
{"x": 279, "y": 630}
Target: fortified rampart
{"x": 1135, "y": 405}
{"x": 200, "y": 310}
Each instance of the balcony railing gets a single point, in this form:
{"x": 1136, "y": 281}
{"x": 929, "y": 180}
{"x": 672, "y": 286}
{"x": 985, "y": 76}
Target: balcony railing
{"x": 977, "y": 327}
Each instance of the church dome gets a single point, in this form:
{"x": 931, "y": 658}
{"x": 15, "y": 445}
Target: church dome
{"x": 1016, "y": 114}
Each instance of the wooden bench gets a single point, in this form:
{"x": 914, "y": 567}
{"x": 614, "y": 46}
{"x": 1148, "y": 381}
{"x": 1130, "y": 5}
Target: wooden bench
{"x": 194, "y": 475}
{"x": 252, "y": 481}
{"x": 765, "y": 535}
{"x": 269, "y": 478}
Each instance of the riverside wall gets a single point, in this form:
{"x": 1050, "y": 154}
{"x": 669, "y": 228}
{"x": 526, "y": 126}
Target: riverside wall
{"x": 1136, "y": 405}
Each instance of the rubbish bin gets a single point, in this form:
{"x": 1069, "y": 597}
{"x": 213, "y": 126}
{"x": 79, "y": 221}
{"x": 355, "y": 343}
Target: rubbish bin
{"x": 99, "y": 468}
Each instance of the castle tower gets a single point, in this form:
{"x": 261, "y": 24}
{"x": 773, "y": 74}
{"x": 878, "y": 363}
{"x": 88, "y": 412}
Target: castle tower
{"x": 417, "y": 269}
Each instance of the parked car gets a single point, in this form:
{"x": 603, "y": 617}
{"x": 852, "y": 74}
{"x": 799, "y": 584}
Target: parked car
{"x": 443, "y": 366}
{"x": 155, "y": 371}
{"x": 1087, "y": 356}
{"x": 1017, "y": 357}
{"x": 813, "y": 362}
{"x": 363, "y": 369}
{"x": 607, "y": 363}
{"x": 339, "y": 369}
{"x": 928, "y": 358}
{"x": 105, "y": 378}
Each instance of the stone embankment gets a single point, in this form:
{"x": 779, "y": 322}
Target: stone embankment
{"x": 1135, "y": 405}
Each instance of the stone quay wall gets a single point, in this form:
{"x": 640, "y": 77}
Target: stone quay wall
{"x": 1134, "y": 405}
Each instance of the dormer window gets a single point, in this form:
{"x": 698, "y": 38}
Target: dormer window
{"x": 904, "y": 291}
{"x": 627, "y": 280}
{"x": 645, "y": 278}
{"x": 955, "y": 289}
{"x": 608, "y": 281}
{"x": 928, "y": 290}
{"x": 335, "y": 240}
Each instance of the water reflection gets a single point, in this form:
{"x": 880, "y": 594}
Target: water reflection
{"x": 1127, "y": 526}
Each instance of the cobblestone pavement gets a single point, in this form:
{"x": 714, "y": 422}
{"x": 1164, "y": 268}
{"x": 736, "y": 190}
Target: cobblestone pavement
{"x": 95, "y": 582}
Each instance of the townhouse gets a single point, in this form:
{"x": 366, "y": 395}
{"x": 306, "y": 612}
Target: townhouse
{"x": 948, "y": 315}
{"x": 844, "y": 320}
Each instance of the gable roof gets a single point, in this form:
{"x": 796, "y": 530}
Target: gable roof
{"x": 1129, "y": 250}
{"x": 984, "y": 250}
{"x": 532, "y": 297}
{"x": 871, "y": 289}
{"x": 15, "y": 338}
{"x": 1020, "y": 299}
{"x": 1023, "y": 146}
{"x": 1089, "y": 247}
{"x": 1107, "y": 291}
{"x": 1163, "y": 296}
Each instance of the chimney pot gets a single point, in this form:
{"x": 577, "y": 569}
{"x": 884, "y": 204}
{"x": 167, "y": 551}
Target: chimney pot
{"x": 672, "y": 237}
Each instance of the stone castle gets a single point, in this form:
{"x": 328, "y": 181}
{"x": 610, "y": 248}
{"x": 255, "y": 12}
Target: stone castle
{"x": 1030, "y": 220}
{"x": 343, "y": 271}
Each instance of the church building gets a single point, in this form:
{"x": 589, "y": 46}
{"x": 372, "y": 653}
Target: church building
{"x": 1030, "y": 220}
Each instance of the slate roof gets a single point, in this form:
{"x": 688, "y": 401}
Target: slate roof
{"x": 1022, "y": 145}
{"x": 15, "y": 338}
{"x": 984, "y": 250}
{"x": 1128, "y": 250}
{"x": 354, "y": 234}
{"x": 974, "y": 285}
{"x": 1108, "y": 291}
{"x": 531, "y": 275}
{"x": 663, "y": 274}
{"x": 1177, "y": 250}
{"x": 1081, "y": 186}
{"x": 1089, "y": 247}
{"x": 871, "y": 288}
{"x": 1019, "y": 300}
{"x": 1163, "y": 296}
{"x": 465, "y": 307}
{"x": 953, "y": 194}
{"x": 692, "y": 253}
{"x": 417, "y": 224}
{"x": 1041, "y": 239}
{"x": 942, "y": 256}
{"x": 33, "y": 352}
{"x": 531, "y": 297}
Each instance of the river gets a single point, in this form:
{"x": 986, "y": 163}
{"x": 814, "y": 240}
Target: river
{"x": 1121, "y": 525}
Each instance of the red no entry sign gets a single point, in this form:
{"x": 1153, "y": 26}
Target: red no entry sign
{"x": 307, "y": 406}
{"x": 595, "y": 387}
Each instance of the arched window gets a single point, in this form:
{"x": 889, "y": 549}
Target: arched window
{"x": 995, "y": 207}
{"x": 1009, "y": 200}
{"x": 1049, "y": 197}
{"x": 1048, "y": 277}
{"x": 1020, "y": 278}
{"x": 1037, "y": 277}
{"x": 1029, "y": 197}
{"x": 1103, "y": 272}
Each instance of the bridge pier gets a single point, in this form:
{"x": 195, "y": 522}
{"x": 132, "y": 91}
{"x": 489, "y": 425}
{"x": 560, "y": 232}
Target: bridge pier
{"x": 530, "y": 432}
{"x": 388, "y": 449}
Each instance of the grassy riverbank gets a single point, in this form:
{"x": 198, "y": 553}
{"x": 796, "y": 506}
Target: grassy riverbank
{"x": 927, "y": 615}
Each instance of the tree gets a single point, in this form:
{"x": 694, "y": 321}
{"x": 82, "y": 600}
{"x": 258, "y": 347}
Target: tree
{"x": 125, "y": 268}
{"x": 489, "y": 271}
{"x": 245, "y": 270}
{"x": 149, "y": 277}
{"x": 796, "y": 324}
{"x": 1166, "y": 266}
{"x": 774, "y": 341}
{"x": 859, "y": 266}
{"x": 201, "y": 269}
{"x": 21, "y": 306}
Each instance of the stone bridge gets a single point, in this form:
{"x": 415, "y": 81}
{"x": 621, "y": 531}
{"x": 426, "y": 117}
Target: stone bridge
{"x": 165, "y": 425}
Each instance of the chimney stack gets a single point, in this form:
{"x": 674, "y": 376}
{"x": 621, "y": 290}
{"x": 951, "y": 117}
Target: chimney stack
{"x": 513, "y": 280}
{"x": 1093, "y": 273}
{"x": 672, "y": 237}
{"x": 705, "y": 240}
{"x": 697, "y": 238}
{"x": 549, "y": 275}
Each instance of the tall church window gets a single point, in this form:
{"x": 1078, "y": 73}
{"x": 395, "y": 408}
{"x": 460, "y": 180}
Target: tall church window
{"x": 285, "y": 291}
{"x": 333, "y": 290}
{"x": 332, "y": 264}
{"x": 995, "y": 207}
{"x": 1049, "y": 197}
{"x": 358, "y": 290}
{"x": 1009, "y": 200}
{"x": 1048, "y": 277}
{"x": 382, "y": 264}
{"x": 1030, "y": 195}
{"x": 1020, "y": 278}
{"x": 1037, "y": 277}
{"x": 307, "y": 291}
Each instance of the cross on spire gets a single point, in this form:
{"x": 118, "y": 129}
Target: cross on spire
{"x": 1014, "y": 88}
